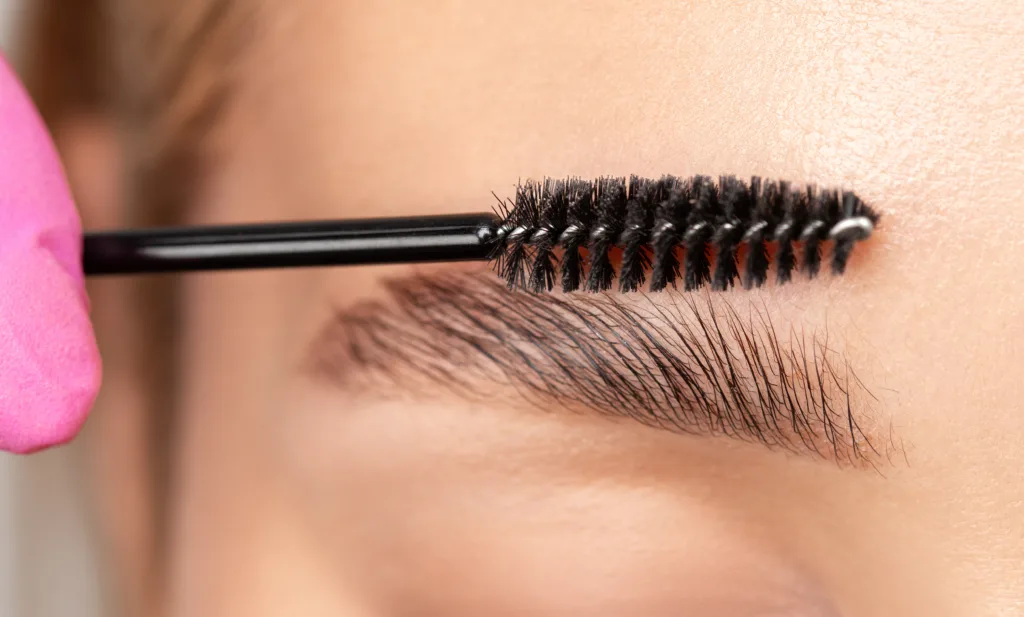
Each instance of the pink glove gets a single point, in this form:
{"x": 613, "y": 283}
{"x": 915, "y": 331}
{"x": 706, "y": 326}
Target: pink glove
{"x": 49, "y": 366}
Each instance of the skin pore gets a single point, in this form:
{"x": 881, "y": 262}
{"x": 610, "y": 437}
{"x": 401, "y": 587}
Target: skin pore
{"x": 293, "y": 494}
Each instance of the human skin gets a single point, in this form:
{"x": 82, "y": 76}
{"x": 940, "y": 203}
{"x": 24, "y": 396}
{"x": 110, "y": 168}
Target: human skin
{"x": 293, "y": 495}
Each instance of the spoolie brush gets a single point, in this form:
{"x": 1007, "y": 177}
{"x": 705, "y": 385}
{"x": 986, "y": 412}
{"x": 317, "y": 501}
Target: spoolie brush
{"x": 570, "y": 231}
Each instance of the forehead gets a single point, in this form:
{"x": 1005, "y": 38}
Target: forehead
{"x": 896, "y": 98}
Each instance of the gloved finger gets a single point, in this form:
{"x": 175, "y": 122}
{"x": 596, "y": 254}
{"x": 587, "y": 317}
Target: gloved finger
{"x": 49, "y": 365}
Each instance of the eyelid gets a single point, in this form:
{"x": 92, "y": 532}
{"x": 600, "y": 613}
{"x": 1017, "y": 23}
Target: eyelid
{"x": 687, "y": 363}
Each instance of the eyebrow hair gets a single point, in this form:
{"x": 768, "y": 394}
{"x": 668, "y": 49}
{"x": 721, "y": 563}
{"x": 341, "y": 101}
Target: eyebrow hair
{"x": 689, "y": 363}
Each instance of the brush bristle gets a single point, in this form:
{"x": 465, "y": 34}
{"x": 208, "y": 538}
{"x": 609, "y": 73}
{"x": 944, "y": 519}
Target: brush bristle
{"x": 610, "y": 211}
{"x": 733, "y": 204}
{"x": 636, "y": 260}
{"x": 764, "y": 203}
{"x": 579, "y": 199}
{"x": 521, "y": 215}
{"x": 699, "y": 230}
{"x": 793, "y": 210}
{"x": 667, "y": 233}
{"x": 695, "y": 229}
{"x": 552, "y": 216}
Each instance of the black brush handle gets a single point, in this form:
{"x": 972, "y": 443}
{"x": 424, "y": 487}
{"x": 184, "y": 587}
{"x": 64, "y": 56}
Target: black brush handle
{"x": 454, "y": 237}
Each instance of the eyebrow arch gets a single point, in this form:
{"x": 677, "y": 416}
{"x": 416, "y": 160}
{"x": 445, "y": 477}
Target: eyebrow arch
{"x": 687, "y": 363}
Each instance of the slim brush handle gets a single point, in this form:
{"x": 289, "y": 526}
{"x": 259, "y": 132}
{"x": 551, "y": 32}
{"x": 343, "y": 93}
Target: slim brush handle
{"x": 456, "y": 237}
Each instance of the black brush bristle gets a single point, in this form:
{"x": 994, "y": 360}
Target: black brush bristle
{"x": 519, "y": 224}
{"x": 553, "y": 211}
{"x": 699, "y": 229}
{"x": 579, "y": 200}
{"x": 610, "y": 206}
{"x": 733, "y": 202}
{"x": 667, "y": 231}
{"x": 766, "y": 203}
{"x": 854, "y": 213}
{"x": 793, "y": 208}
{"x": 813, "y": 233}
{"x": 829, "y": 209}
{"x": 544, "y": 230}
{"x": 636, "y": 254}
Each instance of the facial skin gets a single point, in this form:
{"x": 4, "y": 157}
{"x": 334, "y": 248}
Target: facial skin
{"x": 295, "y": 495}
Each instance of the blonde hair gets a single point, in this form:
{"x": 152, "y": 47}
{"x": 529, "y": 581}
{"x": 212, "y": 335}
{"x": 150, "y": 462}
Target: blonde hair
{"x": 156, "y": 70}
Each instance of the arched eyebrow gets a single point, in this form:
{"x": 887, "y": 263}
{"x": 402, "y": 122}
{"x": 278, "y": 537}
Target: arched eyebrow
{"x": 688, "y": 363}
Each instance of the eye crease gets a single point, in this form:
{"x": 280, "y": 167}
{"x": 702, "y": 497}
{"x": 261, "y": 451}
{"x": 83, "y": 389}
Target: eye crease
{"x": 688, "y": 365}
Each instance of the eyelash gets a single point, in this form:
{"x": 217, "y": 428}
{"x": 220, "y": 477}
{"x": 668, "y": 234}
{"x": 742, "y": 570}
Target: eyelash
{"x": 687, "y": 365}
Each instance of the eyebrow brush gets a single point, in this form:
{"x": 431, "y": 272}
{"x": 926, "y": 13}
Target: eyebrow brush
{"x": 671, "y": 230}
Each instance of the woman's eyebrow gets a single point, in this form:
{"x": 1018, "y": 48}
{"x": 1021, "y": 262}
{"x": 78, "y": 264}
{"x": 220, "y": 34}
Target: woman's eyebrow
{"x": 687, "y": 363}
